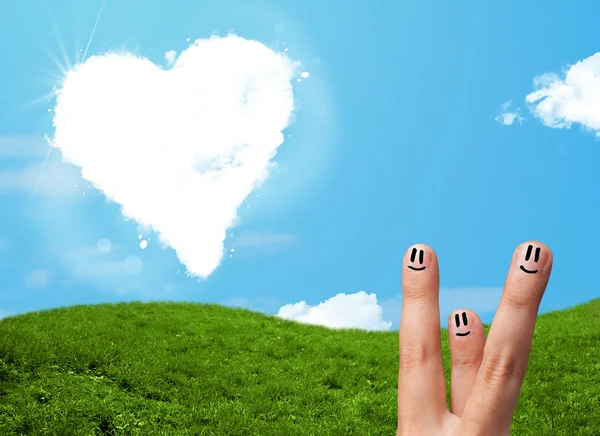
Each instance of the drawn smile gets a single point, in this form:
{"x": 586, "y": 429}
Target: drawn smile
{"x": 527, "y": 271}
{"x": 464, "y": 334}
{"x": 416, "y": 269}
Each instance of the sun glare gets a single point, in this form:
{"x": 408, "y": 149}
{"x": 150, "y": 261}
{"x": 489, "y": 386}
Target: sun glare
{"x": 57, "y": 80}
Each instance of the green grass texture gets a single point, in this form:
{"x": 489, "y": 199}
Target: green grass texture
{"x": 165, "y": 368}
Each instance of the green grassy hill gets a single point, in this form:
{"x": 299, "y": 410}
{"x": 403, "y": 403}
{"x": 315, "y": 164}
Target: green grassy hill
{"x": 196, "y": 369}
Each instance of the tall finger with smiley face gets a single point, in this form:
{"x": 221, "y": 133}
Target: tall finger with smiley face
{"x": 508, "y": 345}
{"x": 421, "y": 382}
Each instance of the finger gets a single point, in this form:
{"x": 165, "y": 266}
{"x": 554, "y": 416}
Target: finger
{"x": 508, "y": 345}
{"x": 467, "y": 339}
{"x": 421, "y": 383}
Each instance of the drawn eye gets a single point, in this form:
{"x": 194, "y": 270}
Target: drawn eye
{"x": 464, "y": 317}
{"x": 413, "y": 258}
{"x": 465, "y": 323}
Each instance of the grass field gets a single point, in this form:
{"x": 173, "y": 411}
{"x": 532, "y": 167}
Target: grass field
{"x": 196, "y": 369}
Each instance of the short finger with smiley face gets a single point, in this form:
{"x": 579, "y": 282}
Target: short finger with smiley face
{"x": 467, "y": 341}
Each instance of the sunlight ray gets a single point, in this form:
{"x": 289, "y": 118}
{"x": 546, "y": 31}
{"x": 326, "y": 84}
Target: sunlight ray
{"x": 93, "y": 30}
{"x": 63, "y": 50}
{"x": 62, "y": 68}
{"x": 35, "y": 103}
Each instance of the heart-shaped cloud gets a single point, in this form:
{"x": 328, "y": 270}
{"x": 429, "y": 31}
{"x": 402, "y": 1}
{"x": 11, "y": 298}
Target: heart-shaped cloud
{"x": 178, "y": 149}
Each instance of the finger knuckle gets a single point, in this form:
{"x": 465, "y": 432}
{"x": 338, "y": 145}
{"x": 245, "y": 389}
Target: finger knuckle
{"x": 467, "y": 359}
{"x": 413, "y": 354}
{"x": 521, "y": 301}
{"x": 498, "y": 370}
{"x": 416, "y": 291}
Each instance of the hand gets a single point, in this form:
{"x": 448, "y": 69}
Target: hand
{"x": 485, "y": 383}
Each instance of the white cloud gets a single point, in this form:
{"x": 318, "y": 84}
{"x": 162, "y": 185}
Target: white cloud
{"x": 179, "y": 149}
{"x": 170, "y": 57}
{"x": 37, "y": 278}
{"x": 478, "y": 299}
{"x": 509, "y": 117}
{"x": 560, "y": 103}
{"x": 359, "y": 310}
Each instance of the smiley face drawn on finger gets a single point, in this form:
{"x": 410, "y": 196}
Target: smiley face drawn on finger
{"x": 465, "y": 322}
{"x": 413, "y": 257}
{"x": 530, "y": 263}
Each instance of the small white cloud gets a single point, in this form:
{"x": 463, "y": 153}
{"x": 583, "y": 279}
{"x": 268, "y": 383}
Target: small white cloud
{"x": 181, "y": 149}
{"x": 170, "y": 57}
{"x": 560, "y": 103}
{"x": 359, "y": 310}
{"x": 36, "y": 279}
{"x": 509, "y": 117}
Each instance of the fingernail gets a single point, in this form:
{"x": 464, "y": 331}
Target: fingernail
{"x": 418, "y": 258}
{"x": 531, "y": 258}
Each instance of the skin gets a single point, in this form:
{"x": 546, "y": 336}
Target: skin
{"x": 487, "y": 373}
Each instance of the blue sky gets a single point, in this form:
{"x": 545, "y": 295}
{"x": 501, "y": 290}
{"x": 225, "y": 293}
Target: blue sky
{"x": 402, "y": 134}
